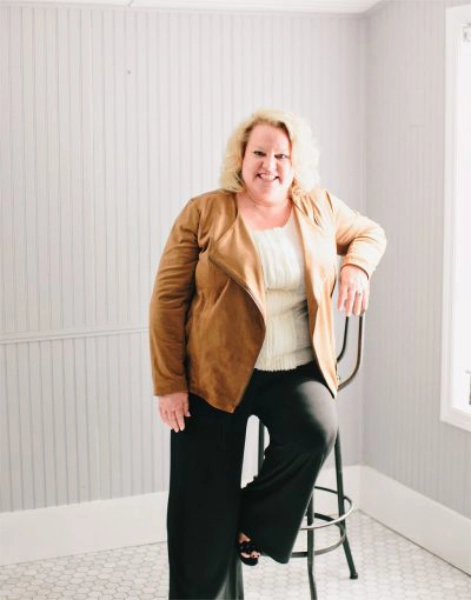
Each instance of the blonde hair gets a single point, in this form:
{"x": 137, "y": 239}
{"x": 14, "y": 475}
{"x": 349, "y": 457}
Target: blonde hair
{"x": 304, "y": 151}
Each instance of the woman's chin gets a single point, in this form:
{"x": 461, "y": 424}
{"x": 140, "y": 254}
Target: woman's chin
{"x": 269, "y": 193}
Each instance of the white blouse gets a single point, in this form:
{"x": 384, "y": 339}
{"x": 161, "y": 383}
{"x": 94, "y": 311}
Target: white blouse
{"x": 287, "y": 342}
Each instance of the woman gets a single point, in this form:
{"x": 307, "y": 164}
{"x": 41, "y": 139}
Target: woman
{"x": 241, "y": 324}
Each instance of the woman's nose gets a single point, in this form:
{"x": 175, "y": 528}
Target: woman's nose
{"x": 269, "y": 161}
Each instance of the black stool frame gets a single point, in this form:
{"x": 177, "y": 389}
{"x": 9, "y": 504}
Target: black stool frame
{"x": 339, "y": 521}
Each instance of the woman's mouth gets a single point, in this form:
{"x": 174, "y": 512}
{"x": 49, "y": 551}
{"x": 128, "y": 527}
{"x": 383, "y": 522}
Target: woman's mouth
{"x": 267, "y": 178}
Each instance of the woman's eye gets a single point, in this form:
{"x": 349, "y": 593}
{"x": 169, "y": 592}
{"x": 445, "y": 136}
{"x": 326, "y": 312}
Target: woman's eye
{"x": 277, "y": 156}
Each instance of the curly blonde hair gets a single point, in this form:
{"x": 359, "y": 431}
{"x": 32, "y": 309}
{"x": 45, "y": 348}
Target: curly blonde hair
{"x": 304, "y": 151}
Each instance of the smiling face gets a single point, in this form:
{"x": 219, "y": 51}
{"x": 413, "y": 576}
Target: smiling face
{"x": 267, "y": 170}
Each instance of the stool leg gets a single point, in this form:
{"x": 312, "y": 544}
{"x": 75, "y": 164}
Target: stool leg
{"x": 310, "y": 549}
{"x": 341, "y": 503}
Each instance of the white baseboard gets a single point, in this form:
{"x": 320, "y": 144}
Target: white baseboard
{"x": 425, "y": 522}
{"x": 81, "y": 528}
{"x": 107, "y": 524}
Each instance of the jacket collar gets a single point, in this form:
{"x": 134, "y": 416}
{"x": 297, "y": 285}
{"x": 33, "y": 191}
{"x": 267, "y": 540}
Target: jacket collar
{"x": 236, "y": 254}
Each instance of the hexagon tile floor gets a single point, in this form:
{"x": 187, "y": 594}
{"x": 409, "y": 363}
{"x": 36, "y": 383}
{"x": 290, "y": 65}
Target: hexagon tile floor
{"x": 389, "y": 567}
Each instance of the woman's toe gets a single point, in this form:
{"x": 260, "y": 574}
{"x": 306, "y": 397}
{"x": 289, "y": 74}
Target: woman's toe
{"x": 243, "y": 538}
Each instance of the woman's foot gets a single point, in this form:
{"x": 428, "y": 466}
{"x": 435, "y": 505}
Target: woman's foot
{"x": 248, "y": 552}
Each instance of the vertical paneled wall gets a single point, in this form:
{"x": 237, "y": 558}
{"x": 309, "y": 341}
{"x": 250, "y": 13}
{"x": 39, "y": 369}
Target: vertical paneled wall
{"x": 111, "y": 119}
{"x": 404, "y": 437}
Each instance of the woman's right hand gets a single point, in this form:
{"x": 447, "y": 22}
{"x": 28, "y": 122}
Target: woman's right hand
{"x": 173, "y": 408}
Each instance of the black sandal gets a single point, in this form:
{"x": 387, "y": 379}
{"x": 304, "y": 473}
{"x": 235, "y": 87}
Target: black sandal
{"x": 248, "y": 547}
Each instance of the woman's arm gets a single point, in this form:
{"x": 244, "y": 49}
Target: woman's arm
{"x": 171, "y": 297}
{"x": 362, "y": 242}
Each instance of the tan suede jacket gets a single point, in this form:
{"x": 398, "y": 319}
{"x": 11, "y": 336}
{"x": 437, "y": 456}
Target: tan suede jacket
{"x": 207, "y": 312}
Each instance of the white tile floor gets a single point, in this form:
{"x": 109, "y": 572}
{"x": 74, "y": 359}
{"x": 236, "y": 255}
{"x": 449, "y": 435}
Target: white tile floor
{"x": 389, "y": 567}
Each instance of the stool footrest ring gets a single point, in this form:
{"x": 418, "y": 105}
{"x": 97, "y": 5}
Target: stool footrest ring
{"x": 318, "y": 551}
{"x": 330, "y": 520}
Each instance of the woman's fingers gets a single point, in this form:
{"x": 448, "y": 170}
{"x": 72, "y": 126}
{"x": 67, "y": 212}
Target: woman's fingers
{"x": 180, "y": 420}
{"x": 174, "y": 421}
{"x": 173, "y": 409}
{"x": 348, "y": 298}
{"x": 356, "y": 303}
{"x": 343, "y": 289}
{"x": 167, "y": 418}
{"x": 353, "y": 290}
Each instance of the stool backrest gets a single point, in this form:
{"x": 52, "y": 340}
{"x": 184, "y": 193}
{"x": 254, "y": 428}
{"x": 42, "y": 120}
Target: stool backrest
{"x": 361, "y": 334}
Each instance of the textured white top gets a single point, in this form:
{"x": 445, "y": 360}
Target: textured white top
{"x": 287, "y": 342}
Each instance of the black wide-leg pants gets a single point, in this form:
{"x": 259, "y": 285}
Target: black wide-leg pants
{"x": 206, "y": 506}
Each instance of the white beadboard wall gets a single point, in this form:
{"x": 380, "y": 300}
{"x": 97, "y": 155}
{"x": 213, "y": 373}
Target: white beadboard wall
{"x": 403, "y": 435}
{"x": 111, "y": 119}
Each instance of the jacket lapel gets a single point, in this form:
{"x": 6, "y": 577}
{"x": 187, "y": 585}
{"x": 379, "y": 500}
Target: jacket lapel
{"x": 312, "y": 241}
{"x": 309, "y": 232}
{"x": 236, "y": 254}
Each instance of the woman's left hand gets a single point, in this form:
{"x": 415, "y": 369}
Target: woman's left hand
{"x": 354, "y": 290}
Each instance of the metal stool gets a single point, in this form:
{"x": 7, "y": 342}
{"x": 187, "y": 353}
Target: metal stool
{"x": 339, "y": 521}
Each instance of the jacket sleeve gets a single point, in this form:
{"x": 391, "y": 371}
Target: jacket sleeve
{"x": 360, "y": 240}
{"x": 171, "y": 297}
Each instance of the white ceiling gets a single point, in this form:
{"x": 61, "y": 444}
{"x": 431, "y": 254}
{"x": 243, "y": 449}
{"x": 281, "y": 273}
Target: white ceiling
{"x": 311, "y": 6}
